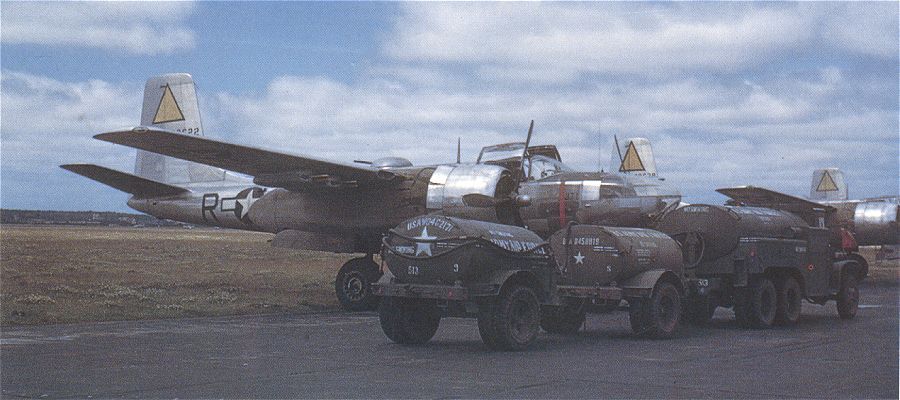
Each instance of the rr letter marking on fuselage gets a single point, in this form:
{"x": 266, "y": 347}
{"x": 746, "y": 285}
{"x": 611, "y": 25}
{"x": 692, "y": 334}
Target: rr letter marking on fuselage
{"x": 210, "y": 201}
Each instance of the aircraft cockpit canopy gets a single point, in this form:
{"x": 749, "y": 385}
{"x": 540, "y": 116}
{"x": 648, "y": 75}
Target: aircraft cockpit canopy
{"x": 540, "y": 167}
{"x": 501, "y": 153}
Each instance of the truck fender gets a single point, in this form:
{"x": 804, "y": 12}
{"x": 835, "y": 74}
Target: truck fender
{"x": 500, "y": 279}
{"x": 642, "y": 284}
{"x": 838, "y": 269}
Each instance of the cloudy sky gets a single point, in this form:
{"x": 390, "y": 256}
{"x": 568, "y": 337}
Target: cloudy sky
{"x": 728, "y": 93}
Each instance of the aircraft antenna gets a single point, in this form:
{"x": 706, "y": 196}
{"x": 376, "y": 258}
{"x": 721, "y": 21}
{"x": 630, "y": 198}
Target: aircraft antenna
{"x": 617, "y": 149}
{"x": 458, "y": 150}
{"x": 599, "y": 150}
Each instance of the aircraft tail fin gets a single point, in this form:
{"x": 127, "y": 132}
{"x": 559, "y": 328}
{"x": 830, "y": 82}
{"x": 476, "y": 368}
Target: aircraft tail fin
{"x": 828, "y": 185}
{"x": 140, "y": 187}
{"x": 170, "y": 102}
{"x": 633, "y": 156}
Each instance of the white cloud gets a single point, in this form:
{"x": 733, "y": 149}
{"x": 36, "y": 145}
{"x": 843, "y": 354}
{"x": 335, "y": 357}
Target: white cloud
{"x": 145, "y": 28}
{"x": 48, "y": 122}
{"x": 552, "y": 43}
{"x": 540, "y": 41}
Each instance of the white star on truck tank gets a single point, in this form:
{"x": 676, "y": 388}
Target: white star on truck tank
{"x": 424, "y": 247}
{"x": 579, "y": 259}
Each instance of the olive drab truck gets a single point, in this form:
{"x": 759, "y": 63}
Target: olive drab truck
{"x": 762, "y": 254}
{"x": 514, "y": 283}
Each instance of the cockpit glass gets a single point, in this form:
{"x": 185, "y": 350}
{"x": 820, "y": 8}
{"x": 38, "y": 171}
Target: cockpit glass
{"x": 540, "y": 167}
{"x": 501, "y": 152}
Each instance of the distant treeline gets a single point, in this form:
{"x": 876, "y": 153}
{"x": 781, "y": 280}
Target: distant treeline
{"x": 100, "y": 218}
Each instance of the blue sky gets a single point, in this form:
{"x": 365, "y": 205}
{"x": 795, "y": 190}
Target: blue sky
{"x": 729, "y": 93}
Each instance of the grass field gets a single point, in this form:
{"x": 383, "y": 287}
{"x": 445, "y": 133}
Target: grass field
{"x": 56, "y": 274}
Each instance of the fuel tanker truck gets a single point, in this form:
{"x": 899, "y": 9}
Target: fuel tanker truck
{"x": 762, "y": 255}
{"x": 514, "y": 282}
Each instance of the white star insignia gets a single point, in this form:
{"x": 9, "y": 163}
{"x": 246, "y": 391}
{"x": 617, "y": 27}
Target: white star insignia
{"x": 424, "y": 247}
{"x": 246, "y": 203}
{"x": 579, "y": 259}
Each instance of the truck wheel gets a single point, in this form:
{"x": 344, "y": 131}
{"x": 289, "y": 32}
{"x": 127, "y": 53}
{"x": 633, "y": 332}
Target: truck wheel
{"x": 755, "y": 307}
{"x": 699, "y": 310}
{"x": 353, "y": 285}
{"x": 788, "y": 302}
{"x": 563, "y": 320}
{"x": 511, "y": 321}
{"x": 408, "y": 321}
{"x": 848, "y": 297}
{"x": 657, "y": 316}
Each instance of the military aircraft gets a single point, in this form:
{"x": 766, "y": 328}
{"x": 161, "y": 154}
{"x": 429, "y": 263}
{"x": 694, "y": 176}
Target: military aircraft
{"x": 315, "y": 204}
{"x": 873, "y": 221}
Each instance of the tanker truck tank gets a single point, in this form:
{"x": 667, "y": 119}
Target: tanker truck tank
{"x": 600, "y": 266}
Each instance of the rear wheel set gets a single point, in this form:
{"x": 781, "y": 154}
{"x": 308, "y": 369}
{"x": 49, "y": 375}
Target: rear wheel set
{"x": 510, "y": 321}
{"x": 756, "y": 304}
{"x": 789, "y": 297}
{"x": 657, "y": 316}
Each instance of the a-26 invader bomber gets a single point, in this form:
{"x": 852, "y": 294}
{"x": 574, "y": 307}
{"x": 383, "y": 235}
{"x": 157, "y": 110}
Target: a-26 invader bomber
{"x": 514, "y": 282}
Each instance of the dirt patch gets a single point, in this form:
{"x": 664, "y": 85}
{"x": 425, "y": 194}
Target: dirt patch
{"x": 56, "y": 274}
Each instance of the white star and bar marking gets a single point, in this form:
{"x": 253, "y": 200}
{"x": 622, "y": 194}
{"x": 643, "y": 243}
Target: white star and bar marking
{"x": 246, "y": 203}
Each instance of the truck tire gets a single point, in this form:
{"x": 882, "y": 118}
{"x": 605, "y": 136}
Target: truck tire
{"x": 511, "y": 321}
{"x": 755, "y": 305}
{"x": 564, "y": 320}
{"x": 353, "y": 285}
{"x": 848, "y": 297}
{"x": 699, "y": 310}
{"x": 408, "y": 321}
{"x": 657, "y": 316}
{"x": 788, "y": 301}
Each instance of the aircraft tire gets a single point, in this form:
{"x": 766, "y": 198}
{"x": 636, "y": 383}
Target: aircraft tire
{"x": 408, "y": 321}
{"x": 353, "y": 284}
{"x": 848, "y": 297}
{"x": 511, "y": 321}
{"x": 788, "y": 303}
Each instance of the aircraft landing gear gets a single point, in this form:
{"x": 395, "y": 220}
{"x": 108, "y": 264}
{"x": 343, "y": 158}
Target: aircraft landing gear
{"x": 353, "y": 284}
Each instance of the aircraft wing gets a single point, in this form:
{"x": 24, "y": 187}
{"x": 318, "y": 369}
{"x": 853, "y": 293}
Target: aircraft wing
{"x": 761, "y": 197}
{"x": 140, "y": 187}
{"x": 269, "y": 168}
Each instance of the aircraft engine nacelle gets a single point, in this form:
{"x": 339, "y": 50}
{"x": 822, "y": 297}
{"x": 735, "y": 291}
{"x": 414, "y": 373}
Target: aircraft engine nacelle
{"x": 449, "y": 183}
{"x": 875, "y": 223}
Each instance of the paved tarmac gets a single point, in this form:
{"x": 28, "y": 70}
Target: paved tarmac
{"x": 342, "y": 355}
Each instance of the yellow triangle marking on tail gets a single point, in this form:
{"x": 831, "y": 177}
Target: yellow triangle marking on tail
{"x": 632, "y": 161}
{"x": 826, "y": 184}
{"x": 168, "y": 110}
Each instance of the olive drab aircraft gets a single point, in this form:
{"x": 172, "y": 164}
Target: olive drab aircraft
{"x": 315, "y": 204}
